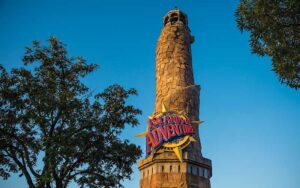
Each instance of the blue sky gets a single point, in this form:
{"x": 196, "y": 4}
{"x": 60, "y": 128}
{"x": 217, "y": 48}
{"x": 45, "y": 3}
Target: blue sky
{"x": 252, "y": 122}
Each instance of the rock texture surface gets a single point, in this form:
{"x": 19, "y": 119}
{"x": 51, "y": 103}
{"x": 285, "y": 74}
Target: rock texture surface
{"x": 175, "y": 88}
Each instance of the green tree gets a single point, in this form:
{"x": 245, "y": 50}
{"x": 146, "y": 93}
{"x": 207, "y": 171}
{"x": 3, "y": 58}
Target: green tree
{"x": 274, "y": 27}
{"x": 48, "y": 113}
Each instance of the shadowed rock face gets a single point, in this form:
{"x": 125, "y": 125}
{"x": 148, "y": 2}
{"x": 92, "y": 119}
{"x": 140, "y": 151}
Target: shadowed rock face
{"x": 175, "y": 89}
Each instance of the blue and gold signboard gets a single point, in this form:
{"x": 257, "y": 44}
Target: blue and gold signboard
{"x": 171, "y": 130}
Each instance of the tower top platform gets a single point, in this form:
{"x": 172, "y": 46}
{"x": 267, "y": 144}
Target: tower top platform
{"x": 175, "y": 16}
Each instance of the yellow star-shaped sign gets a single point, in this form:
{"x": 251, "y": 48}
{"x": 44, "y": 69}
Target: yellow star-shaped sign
{"x": 176, "y": 147}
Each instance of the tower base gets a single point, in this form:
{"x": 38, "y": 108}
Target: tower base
{"x": 164, "y": 170}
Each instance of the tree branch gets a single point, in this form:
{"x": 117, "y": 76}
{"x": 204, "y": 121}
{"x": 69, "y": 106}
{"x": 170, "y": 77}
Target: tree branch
{"x": 54, "y": 122}
{"x": 78, "y": 161}
{"x": 23, "y": 153}
{"x": 23, "y": 168}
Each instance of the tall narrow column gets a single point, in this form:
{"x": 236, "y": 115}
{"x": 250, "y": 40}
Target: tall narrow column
{"x": 174, "y": 156}
{"x": 174, "y": 72}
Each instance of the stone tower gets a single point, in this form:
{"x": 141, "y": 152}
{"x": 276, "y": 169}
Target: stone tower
{"x": 164, "y": 166}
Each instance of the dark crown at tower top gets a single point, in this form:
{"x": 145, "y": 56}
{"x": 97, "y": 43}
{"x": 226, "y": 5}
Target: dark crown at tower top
{"x": 175, "y": 16}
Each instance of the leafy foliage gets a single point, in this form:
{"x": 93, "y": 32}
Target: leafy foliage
{"x": 47, "y": 114}
{"x": 274, "y": 27}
